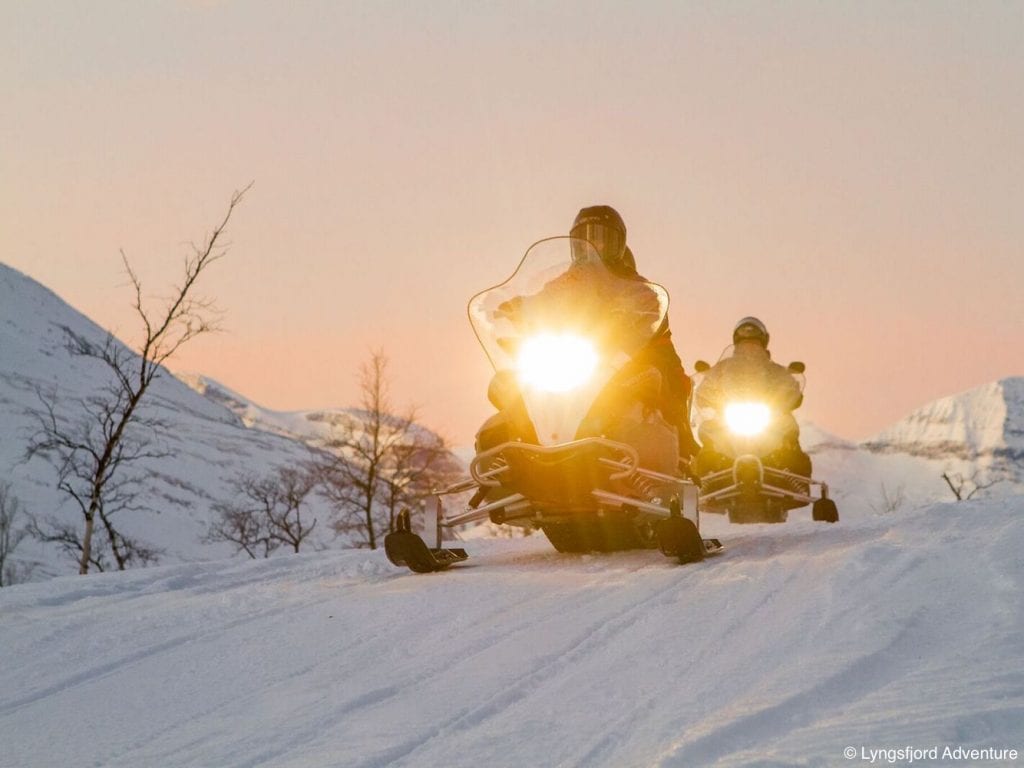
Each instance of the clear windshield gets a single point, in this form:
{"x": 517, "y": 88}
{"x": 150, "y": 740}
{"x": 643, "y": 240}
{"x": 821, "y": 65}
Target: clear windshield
{"x": 563, "y": 324}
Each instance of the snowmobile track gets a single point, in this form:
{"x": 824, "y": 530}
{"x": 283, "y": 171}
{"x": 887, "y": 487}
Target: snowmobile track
{"x": 595, "y": 634}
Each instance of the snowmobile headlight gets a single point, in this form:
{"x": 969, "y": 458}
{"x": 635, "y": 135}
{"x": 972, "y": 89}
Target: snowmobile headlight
{"x": 556, "y": 362}
{"x": 747, "y": 419}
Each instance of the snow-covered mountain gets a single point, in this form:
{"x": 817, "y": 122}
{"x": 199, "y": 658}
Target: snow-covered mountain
{"x": 976, "y": 438}
{"x": 314, "y": 427}
{"x": 208, "y": 444}
{"x": 814, "y": 438}
{"x": 985, "y": 424}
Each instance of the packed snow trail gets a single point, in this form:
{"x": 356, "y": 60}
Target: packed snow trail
{"x": 800, "y": 641}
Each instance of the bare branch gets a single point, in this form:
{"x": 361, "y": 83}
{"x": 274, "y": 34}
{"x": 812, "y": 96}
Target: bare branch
{"x": 67, "y": 537}
{"x": 378, "y": 462}
{"x": 955, "y": 488}
{"x": 10, "y": 534}
{"x": 889, "y": 500}
{"x": 94, "y": 450}
{"x": 266, "y": 512}
{"x": 965, "y": 488}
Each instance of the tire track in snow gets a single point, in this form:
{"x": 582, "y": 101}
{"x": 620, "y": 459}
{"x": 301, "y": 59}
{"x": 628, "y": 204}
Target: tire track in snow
{"x": 622, "y": 727}
{"x": 769, "y": 549}
{"x": 596, "y": 634}
{"x": 119, "y": 664}
{"x": 924, "y": 635}
{"x": 319, "y": 722}
{"x": 829, "y": 696}
{"x": 427, "y": 678}
{"x": 163, "y": 583}
{"x": 337, "y": 712}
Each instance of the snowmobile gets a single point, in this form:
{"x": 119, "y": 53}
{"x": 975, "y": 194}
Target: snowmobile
{"x": 576, "y": 450}
{"x": 751, "y": 466}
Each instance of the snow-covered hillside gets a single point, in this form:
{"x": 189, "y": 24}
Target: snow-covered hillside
{"x": 985, "y": 423}
{"x": 974, "y": 437}
{"x": 799, "y": 642}
{"x": 313, "y": 427}
{"x": 208, "y": 444}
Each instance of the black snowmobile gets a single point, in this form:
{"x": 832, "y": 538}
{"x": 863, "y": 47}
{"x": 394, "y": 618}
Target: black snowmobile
{"x": 751, "y": 466}
{"x": 576, "y": 449}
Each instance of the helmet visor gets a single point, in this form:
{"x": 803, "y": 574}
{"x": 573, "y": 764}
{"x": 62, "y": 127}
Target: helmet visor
{"x": 750, "y": 331}
{"x": 609, "y": 241}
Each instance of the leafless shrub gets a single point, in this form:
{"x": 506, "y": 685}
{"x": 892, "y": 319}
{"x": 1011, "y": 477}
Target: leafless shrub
{"x": 889, "y": 500}
{"x": 964, "y": 488}
{"x": 265, "y": 513}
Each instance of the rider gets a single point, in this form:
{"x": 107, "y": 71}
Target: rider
{"x": 633, "y": 309}
{"x": 750, "y": 366}
{"x": 603, "y": 227}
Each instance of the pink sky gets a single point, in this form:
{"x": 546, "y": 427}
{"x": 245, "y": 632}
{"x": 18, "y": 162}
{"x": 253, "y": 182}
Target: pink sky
{"x": 853, "y": 173}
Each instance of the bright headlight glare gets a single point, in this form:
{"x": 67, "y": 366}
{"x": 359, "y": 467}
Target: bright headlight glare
{"x": 556, "y": 362}
{"x": 747, "y": 419}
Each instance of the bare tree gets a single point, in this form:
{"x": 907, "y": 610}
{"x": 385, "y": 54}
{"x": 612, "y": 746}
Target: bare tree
{"x": 10, "y": 535}
{"x": 244, "y": 527}
{"x": 126, "y": 551}
{"x": 377, "y": 462}
{"x": 266, "y": 512}
{"x": 94, "y": 450}
{"x": 413, "y": 470}
{"x": 89, "y": 465}
{"x": 889, "y": 500}
{"x": 964, "y": 488}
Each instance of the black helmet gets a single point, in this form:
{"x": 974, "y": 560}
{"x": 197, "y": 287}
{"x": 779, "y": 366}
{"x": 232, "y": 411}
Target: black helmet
{"x": 750, "y": 328}
{"x": 602, "y": 226}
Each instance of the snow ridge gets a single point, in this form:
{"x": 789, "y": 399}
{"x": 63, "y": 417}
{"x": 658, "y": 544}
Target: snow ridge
{"x": 313, "y": 426}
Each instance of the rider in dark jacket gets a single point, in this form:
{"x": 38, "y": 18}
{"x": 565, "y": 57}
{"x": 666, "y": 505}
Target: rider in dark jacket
{"x": 750, "y": 366}
{"x": 603, "y": 227}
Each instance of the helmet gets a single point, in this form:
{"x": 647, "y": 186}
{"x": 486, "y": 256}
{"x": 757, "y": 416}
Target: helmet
{"x": 750, "y": 328}
{"x": 603, "y": 226}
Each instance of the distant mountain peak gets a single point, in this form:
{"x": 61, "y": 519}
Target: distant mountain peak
{"x": 987, "y": 421}
{"x": 314, "y": 426}
{"x": 814, "y": 439}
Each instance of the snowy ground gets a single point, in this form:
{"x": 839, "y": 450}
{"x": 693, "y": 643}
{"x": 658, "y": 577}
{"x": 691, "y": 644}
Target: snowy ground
{"x": 801, "y": 641}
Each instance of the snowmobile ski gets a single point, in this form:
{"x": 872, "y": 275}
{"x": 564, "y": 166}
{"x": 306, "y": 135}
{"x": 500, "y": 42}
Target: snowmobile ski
{"x": 406, "y": 549}
{"x": 679, "y": 537}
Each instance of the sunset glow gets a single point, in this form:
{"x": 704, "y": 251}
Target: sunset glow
{"x": 850, "y": 173}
